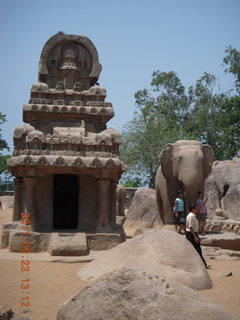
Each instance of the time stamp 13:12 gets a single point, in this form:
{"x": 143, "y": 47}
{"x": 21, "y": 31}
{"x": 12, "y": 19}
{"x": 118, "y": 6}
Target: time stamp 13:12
{"x": 25, "y": 263}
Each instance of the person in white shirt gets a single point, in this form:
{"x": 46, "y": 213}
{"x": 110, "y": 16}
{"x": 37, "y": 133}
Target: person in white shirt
{"x": 192, "y": 226}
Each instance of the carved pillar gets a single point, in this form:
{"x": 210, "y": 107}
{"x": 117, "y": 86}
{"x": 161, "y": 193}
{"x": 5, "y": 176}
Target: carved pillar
{"x": 30, "y": 201}
{"x": 17, "y": 209}
{"x": 103, "y": 207}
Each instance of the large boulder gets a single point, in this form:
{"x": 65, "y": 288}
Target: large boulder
{"x": 162, "y": 252}
{"x": 143, "y": 212}
{"x": 5, "y": 313}
{"x": 140, "y": 295}
{"x": 222, "y": 188}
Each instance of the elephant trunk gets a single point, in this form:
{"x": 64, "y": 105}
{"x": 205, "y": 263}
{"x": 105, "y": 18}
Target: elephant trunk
{"x": 192, "y": 182}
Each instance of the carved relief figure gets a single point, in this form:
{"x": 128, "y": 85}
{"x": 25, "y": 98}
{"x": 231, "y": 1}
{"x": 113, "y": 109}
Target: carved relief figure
{"x": 70, "y": 63}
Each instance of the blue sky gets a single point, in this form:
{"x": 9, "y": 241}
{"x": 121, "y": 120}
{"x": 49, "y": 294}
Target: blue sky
{"x": 133, "y": 38}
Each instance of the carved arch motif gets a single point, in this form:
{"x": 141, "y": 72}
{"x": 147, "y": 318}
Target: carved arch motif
{"x": 71, "y": 59}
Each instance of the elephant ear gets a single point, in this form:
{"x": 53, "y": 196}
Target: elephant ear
{"x": 208, "y": 159}
{"x": 165, "y": 158}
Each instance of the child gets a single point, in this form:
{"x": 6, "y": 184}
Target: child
{"x": 178, "y": 211}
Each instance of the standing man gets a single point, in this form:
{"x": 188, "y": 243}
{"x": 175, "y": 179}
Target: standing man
{"x": 192, "y": 226}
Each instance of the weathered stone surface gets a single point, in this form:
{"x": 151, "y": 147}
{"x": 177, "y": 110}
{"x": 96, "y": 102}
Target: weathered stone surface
{"x": 104, "y": 241}
{"x": 215, "y": 253}
{"x": 5, "y": 313}
{"x": 224, "y": 240}
{"x": 140, "y": 295}
{"x": 6, "y": 230}
{"x": 38, "y": 242}
{"x": 222, "y": 188}
{"x": 14, "y": 225}
{"x": 120, "y": 220}
{"x": 68, "y": 244}
{"x": 4, "y": 239}
{"x": 7, "y": 201}
{"x": 225, "y": 273}
{"x": 130, "y": 195}
{"x": 143, "y": 212}
{"x": 215, "y": 227}
{"x": 165, "y": 253}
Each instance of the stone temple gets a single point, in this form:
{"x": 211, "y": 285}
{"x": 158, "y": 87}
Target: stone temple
{"x": 65, "y": 161}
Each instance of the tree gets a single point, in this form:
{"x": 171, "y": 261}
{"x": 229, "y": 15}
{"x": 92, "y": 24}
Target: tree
{"x": 213, "y": 117}
{"x": 3, "y": 143}
{"x": 202, "y": 121}
{"x": 165, "y": 113}
{"x": 158, "y": 120}
{"x": 3, "y": 164}
{"x": 232, "y": 60}
{"x": 229, "y": 123}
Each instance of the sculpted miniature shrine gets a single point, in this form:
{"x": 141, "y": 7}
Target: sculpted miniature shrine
{"x": 65, "y": 160}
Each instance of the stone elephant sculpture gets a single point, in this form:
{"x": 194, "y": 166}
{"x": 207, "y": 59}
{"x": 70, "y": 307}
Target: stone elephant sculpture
{"x": 184, "y": 165}
{"x": 121, "y": 194}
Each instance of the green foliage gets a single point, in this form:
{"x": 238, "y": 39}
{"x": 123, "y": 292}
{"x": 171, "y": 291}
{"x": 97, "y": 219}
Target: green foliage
{"x": 131, "y": 182}
{"x": 232, "y": 60}
{"x": 229, "y": 127}
{"x": 4, "y": 174}
{"x": 3, "y": 164}
{"x": 205, "y": 107}
{"x": 165, "y": 113}
{"x": 6, "y": 183}
{"x": 157, "y": 121}
{"x": 3, "y": 143}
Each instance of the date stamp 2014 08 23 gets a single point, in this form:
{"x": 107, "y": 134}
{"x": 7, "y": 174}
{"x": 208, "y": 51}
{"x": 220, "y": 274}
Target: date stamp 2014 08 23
{"x": 25, "y": 263}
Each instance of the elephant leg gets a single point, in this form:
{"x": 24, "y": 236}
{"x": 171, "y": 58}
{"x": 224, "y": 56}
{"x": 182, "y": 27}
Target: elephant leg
{"x": 160, "y": 205}
{"x": 121, "y": 207}
{"x": 117, "y": 208}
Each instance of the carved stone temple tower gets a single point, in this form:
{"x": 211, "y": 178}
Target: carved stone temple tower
{"x": 65, "y": 160}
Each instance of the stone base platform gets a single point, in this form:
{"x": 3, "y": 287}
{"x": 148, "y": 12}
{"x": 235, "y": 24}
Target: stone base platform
{"x": 57, "y": 243}
{"x": 224, "y": 240}
{"x": 220, "y": 224}
{"x": 68, "y": 244}
{"x": 215, "y": 238}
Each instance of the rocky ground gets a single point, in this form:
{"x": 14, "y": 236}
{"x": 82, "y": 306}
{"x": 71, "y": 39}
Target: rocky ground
{"x": 52, "y": 283}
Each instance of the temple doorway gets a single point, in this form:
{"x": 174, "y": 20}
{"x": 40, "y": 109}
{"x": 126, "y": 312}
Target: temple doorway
{"x": 65, "y": 201}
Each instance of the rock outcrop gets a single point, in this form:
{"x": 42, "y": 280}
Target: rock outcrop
{"x": 162, "y": 252}
{"x": 139, "y": 295}
{"x": 143, "y": 212}
{"x": 7, "y": 201}
{"x": 5, "y": 313}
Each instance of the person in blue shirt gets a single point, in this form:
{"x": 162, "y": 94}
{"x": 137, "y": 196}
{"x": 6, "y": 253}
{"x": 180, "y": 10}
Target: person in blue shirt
{"x": 178, "y": 211}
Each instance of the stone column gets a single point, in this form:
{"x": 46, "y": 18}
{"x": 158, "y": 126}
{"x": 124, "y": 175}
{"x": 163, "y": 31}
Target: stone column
{"x": 103, "y": 207}
{"x": 30, "y": 201}
{"x": 17, "y": 209}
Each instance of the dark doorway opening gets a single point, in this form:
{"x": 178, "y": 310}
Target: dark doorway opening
{"x": 65, "y": 201}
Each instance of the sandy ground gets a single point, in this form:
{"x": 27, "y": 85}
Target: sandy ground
{"x": 52, "y": 283}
